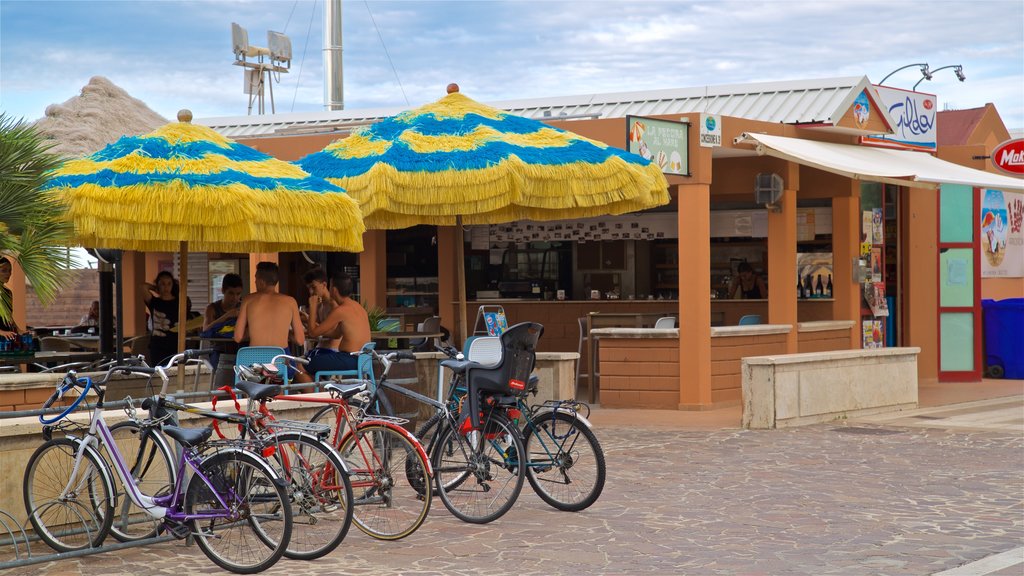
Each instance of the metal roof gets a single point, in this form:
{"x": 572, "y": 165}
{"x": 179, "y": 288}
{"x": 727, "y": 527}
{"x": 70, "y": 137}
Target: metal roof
{"x": 820, "y": 101}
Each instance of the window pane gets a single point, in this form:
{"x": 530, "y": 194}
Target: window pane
{"x": 956, "y": 213}
{"x": 956, "y": 345}
{"x": 956, "y": 277}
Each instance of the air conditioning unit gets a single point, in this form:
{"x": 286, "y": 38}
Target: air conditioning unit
{"x": 768, "y": 190}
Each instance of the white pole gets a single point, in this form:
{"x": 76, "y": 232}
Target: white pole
{"x": 334, "y": 98}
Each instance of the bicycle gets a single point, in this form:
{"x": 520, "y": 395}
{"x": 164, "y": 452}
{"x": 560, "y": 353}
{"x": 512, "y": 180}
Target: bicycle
{"x": 565, "y": 463}
{"x": 476, "y": 460}
{"x": 233, "y": 504}
{"x": 314, "y": 475}
{"x": 389, "y": 469}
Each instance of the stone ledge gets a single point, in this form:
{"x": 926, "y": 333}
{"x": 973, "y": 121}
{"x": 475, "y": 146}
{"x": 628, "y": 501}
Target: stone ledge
{"x": 751, "y": 330}
{"x": 824, "y": 325}
{"x": 635, "y": 333}
{"x": 832, "y": 355}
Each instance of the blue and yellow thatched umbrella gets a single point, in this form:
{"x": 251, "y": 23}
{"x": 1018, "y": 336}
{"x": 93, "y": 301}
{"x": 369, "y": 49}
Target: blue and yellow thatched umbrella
{"x": 184, "y": 186}
{"x": 459, "y": 161}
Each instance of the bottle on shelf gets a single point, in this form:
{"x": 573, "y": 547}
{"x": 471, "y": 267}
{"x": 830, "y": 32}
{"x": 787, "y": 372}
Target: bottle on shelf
{"x": 808, "y": 287}
{"x": 828, "y": 287}
{"x": 799, "y": 288}
{"x": 819, "y": 288}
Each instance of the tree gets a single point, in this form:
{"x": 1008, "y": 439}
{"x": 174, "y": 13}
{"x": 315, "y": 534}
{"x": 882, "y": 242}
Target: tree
{"x": 33, "y": 226}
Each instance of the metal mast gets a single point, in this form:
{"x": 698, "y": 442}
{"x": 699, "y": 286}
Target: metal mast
{"x": 334, "y": 98}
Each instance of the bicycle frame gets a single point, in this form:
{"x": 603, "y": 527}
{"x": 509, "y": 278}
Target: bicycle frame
{"x": 159, "y": 507}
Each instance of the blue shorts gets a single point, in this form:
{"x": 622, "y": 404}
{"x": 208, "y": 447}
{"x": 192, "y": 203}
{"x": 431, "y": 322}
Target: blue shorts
{"x": 326, "y": 359}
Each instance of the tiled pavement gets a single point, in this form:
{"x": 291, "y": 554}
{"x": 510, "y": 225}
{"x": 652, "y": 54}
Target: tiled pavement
{"x": 843, "y": 498}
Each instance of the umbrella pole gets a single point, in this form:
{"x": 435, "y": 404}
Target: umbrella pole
{"x": 460, "y": 267}
{"x": 182, "y": 308}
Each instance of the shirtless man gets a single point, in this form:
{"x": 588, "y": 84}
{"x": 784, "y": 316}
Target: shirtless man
{"x": 347, "y": 327}
{"x": 266, "y": 315}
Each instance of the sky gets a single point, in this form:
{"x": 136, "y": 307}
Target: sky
{"x": 174, "y": 55}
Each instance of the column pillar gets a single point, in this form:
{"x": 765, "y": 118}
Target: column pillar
{"x": 446, "y": 282}
{"x": 782, "y": 297}
{"x": 373, "y": 268}
{"x": 921, "y": 280}
{"x": 133, "y": 277}
{"x": 846, "y": 222}
{"x": 694, "y": 217}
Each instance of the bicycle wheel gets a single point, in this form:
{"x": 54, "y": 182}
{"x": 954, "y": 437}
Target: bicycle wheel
{"x": 390, "y": 481}
{"x": 81, "y": 519}
{"x": 481, "y": 470}
{"x": 253, "y": 533}
{"x": 320, "y": 494}
{"x": 566, "y": 463}
{"x": 151, "y": 463}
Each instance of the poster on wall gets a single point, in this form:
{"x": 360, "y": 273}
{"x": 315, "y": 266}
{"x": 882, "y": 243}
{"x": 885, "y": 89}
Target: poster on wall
{"x": 1002, "y": 236}
{"x": 663, "y": 142}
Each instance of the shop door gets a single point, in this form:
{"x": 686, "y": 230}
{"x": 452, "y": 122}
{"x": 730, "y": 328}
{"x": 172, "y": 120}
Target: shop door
{"x": 959, "y": 285}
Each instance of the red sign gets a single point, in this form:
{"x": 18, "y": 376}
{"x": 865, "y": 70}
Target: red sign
{"x": 1009, "y": 156}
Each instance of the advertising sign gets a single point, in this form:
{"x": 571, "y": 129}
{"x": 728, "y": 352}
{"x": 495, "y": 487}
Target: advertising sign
{"x": 663, "y": 142}
{"x": 1009, "y": 157}
{"x": 710, "y": 130}
{"x": 913, "y": 116}
{"x": 1002, "y": 236}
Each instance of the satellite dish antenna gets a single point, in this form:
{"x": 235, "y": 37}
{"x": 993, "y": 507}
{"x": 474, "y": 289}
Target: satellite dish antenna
{"x": 262, "y": 66}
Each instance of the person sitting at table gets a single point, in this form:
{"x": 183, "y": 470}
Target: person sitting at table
{"x": 266, "y": 316}
{"x": 347, "y": 328}
{"x": 750, "y": 286}
{"x": 92, "y": 317}
{"x": 161, "y": 299}
{"x": 8, "y": 328}
{"x": 219, "y": 323}
{"x": 316, "y": 284}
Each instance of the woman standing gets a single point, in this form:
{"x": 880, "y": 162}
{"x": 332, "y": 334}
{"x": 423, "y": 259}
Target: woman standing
{"x": 161, "y": 298}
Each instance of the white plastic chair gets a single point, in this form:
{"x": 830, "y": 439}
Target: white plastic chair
{"x": 666, "y": 322}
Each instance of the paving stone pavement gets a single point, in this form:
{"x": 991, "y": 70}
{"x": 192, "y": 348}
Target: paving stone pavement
{"x": 841, "y": 498}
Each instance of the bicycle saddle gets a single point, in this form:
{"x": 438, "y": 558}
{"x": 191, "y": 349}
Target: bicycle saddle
{"x": 345, "y": 391}
{"x": 257, "y": 391}
{"x": 188, "y": 436}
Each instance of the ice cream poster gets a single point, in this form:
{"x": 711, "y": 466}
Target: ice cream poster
{"x": 663, "y": 142}
{"x": 1002, "y": 237}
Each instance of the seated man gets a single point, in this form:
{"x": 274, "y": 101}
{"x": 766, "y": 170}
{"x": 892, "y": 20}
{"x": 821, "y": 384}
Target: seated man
{"x": 346, "y": 328}
{"x": 266, "y": 316}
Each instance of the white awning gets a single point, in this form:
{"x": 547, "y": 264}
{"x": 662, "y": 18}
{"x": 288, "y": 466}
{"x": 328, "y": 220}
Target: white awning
{"x": 900, "y": 167}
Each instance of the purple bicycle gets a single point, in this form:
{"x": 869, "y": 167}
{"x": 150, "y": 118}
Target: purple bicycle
{"x": 234, "y": 504}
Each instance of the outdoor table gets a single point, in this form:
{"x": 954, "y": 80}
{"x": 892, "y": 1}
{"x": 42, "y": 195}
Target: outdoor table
{"x": 47, "y": 357}
{"x": 404, "y": 335}
{"x": 612, "y": 320}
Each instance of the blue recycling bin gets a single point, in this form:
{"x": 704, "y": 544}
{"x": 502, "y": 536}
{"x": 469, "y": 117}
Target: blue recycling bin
{"x": 1004, "y": 337}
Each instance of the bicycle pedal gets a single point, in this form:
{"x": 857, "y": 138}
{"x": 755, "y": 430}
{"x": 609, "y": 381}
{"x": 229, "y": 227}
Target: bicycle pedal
{"x": 179, "y": 531}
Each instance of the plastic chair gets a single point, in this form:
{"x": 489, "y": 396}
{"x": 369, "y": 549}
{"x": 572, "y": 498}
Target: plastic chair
{"x": 750, "y": 319}
{"x": 666, "y": 322}
{"x": 250, "y": 355}
{"x": 432, "y": 324}
{"x": 363, "y": 371}
{"x": 579, "y": 351}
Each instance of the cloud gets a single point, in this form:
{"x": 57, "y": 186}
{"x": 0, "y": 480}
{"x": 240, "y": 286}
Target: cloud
{"x": 176, "y": 54}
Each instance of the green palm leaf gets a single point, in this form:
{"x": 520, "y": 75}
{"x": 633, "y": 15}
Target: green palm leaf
{"x": 33, "y": 229}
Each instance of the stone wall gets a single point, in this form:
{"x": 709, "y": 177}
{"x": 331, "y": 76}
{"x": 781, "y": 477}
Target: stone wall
{"x": 799, "y": 389}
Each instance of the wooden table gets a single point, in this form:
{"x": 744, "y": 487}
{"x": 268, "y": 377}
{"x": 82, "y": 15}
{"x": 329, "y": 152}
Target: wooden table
{"x": 612, "y": 320}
